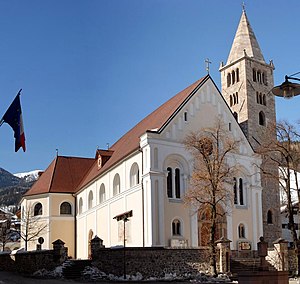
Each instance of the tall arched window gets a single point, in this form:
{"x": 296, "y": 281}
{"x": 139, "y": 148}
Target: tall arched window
{"x": 90, "y": 200}
{"x": 235, "y": 191}
{"x": 80, "y": 205}
{"x": 177, "y": 183}
{"x": 260, "y": 98}
{"x": 228, "y": 79}
{"x": 169, "y": 182}
{"x": 134, "y": 175}
{"x": 264, "y": 100}
{"x": 237, "y": 97}
{"x": 241, "y": 191}
{"x": 254, "y": 75}
{"x": 235, "y": 115}
{"x": 176, "y": 228}
{"x": 233, "y": 76}
{"x": 237, "y": 75}
{"x": 102, "y": 196}
{"x": 259, "y": 76}
{"x": 261, "y": 118}
{"x": 269, "y": 217}
{"x": 65, "y": 208}
{"x": 257, "y": 97}
{"x": 38, "y": 209}
{"x": 230, "y": 101}
{"x": 116, "y": 185}
{"x": 242, "y": 233}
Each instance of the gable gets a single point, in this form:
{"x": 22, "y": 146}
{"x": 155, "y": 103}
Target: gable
{"x": 200, "y": 111}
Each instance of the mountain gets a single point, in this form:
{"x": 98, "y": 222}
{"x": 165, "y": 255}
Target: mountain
{"x": 29, "y": 176}
{"x": 13, "y": 187}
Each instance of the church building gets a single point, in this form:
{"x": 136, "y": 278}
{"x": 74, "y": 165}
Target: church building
{"x": 144, "y": 176}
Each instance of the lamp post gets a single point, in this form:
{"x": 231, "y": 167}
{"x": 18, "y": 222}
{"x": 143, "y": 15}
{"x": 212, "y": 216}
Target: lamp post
{"x": 288, "y": 89}
{"x": 124, "y": 256}
{"x": 125, "y": 218}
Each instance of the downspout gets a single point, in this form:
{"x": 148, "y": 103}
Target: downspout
{"x": 143, "y": 197}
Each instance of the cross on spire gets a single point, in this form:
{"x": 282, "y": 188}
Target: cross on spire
{"x": 207, "y": 62}
{"x": 244, "y": 7}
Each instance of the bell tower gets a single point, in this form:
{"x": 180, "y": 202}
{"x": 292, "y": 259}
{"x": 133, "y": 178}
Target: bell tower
{"x": 246, "y": 83}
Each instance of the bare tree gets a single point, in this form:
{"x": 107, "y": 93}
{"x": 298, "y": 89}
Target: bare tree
{"x": 212, "y": 177}
{"x": 5, "y": 231}
{"x": 284, "y": 154}
{"x": 32, "y": 227}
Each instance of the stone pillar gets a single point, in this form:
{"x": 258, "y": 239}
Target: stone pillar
{"x": 262, "y": 249}
{"x": 223, "y": 245}
{"x": 96, "y": 244}
{"x": 281, "y": 246}
{"x": 60, "y": 252}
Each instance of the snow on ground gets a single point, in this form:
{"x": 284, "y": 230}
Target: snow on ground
{"x": 92, "y": 274}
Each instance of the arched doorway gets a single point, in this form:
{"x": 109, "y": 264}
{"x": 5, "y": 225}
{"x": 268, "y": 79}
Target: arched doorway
{"x": 90, "y": 236}
{"x": 204, "y": 225}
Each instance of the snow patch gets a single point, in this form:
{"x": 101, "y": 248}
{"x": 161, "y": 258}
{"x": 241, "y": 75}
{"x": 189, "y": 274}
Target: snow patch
{"x": 29, "y": 176}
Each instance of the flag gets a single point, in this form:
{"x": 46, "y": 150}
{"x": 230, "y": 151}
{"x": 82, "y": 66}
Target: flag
{"x": 13, "y": 117}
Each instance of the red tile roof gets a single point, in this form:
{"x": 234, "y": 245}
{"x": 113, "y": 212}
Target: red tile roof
{"x": 70, "y": 174}
{"x": 131, "y": 140}
{"x": 62, "y": 176}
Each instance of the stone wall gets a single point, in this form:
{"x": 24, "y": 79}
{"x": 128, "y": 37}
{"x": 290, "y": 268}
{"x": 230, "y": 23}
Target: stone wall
{"x": 152, "y": 262}
{"x": 27, "y": 262}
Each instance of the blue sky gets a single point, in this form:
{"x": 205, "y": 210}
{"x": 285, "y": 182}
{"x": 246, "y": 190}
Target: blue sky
{"x": 91, "y": 69}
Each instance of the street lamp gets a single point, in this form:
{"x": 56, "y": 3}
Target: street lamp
{"x": 125, "y": 218}
{"x": 288, "y": 89}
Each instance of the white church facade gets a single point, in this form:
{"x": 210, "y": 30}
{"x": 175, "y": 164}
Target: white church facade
{"x": 144, "y": 176}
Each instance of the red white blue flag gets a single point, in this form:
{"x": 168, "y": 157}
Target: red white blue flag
{"x": 13, "y": 117}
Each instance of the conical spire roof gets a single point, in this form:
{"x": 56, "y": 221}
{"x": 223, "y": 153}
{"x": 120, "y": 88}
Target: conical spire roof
{"x": 245, "y": 41}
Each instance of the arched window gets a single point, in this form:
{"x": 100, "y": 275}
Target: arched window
{"x": 242, "y": 233}
{"x": 237, "y": 75}
{"x": 228, "y": 79}
{"x": 264, "y": 100}
{"x": 38, "y": 209}
{"x": 269, "y": 217}
{"x": 177, "y": 183}
{"x": 169, "y": 183}
{"x": 233, "y": 76}
{"x": 234, "y": 99}
{"x": 116, "y": 185}
{"x": 235, "y": 115}
{"x": 176, "y": 228}
{"x": 260, "y": 98}
{"x": 102, "y": 197}
{"x": 241, "y": 191}
{"x": 261, "y": 118}
{"x": 134, "y": 175}
{"x": 237, "y": 97}
{"x": 90, "y": 200}
{"x": 235, "y": 191}
{"x": 259, "y": 76}
{"x": 254, "y": 75}
{"x": 257, "y": 97}
{"x": 80, "y": 205}
{"x": 230, "y": 101}
{"x": 65, "y": 208}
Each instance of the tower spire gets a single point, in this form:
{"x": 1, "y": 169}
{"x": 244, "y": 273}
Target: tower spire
{"x": 245, "y": 42}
